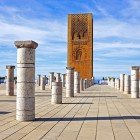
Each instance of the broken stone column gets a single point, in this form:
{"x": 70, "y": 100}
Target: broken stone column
{"x": 58, "y": 78}
{"x": 118, "y": 84}
{"x": 63, "y": 80}
{"x": 122, "y": 82}
{"x": 76, "y": 82}
{"x": 85, "y": 84}
{"x": 69, "y": 82}
{"x": 10, "y": 81}
{"x": 81, "y": 85}
{"x": 127, "y": 84}
{"x": 115, "y": 83}
{"x": 25, "y": 105}
{"x": 47, "y": 80}
{"x": 92, "y": 80}
{"x": 51, "y": 79}
{"x": 135, "y": 82}
{"x": 42, "y": 83}
{"x": 38, "y": 80}
{"x": 56, "y": 93}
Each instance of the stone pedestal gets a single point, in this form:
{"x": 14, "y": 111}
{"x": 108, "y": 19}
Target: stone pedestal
{"x": 10, "y": 81}
{"x": 135, "y": 82}
{"x": 118, "y": 84}
{"x": 63, "y": 80}
{"x": 127, "y": 84}
{"x": 38, "y": 80}
{"x": 56, "y": 93}
{"x": 42, "y": 84}
{"x": 69, "y": 82}
{"x": 81, "y": 84}
{"x": 122, "y": 82}
{"x": 25, "y": 105}
{"x": 51, "y": 79}
{"x": 58, "y": 78}
{"x": 76, "y": 82}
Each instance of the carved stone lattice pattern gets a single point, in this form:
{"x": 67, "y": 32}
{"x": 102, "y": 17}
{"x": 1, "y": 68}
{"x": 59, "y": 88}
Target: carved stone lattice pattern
{"x": 79, "y": 26}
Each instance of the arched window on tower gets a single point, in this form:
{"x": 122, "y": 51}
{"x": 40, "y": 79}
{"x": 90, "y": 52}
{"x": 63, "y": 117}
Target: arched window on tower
{"x": 78, "y": 55}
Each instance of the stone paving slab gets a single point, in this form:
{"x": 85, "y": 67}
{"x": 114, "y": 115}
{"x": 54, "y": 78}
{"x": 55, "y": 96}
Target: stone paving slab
{"x": 99, "y": 113}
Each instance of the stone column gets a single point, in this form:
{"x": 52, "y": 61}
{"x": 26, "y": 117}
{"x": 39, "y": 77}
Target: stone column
{"x": 38, "y": 80}
{"x": 85, "y": 84}
{"x": 127, "y": 84}
{"x": 51, "y": 79}
{"x": 25, "y": 105}
{"x": 118, "y": 84}
{"x": 115, "y": 83}
{"x": 10, "y": 81}
{"x": 42, "y": 83}
{"x": 69, "y": 82}
{"x": 112, "y": 83}
{"x": 135, "y": 82}
{"x": 58, "y": 78}
{"x": 56, "y": 93}
{"x": 76, "y": 82}
{"x": 63, "y": 80}
{"x": 122, "y": 82}
{"x": 81, "y": 85}
{"x": 47, "y": 80}
{"x": 92, "y": 80}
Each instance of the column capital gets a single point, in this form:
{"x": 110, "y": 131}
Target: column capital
{"x": 70, "y": 68}
{"x": 135, "y": 67}
{"x": 26, "y": 44}
{"x": 10, "y": 67}
{"x": 51, "y": 72}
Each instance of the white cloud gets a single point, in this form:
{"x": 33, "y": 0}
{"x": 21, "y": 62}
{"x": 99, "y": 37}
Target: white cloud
{"x": 110, "y": 27}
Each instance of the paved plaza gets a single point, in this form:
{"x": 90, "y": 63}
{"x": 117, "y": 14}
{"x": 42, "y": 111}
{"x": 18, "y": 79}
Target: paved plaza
{"x": 100, "y": 112}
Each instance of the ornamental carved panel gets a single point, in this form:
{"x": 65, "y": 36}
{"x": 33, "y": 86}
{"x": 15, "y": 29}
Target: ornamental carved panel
{"x": 80, "y": 44}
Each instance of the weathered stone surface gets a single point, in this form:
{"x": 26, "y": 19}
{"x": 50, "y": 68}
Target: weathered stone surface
{"x": 127, "y": 84}
{"x": 10, "y": 80}
{"x": 30, "y": 55}
{"x": 25, "y": 74}
{"x": 51, "y": 79}
{"x": 39, "y": 80}
{"x": 42, "y": 85}
{"x": 69, "y": 82}
{"x": 25, "y": 105}
{"x": 76, "y": 82}
{"x": 58, "y": 78}
{"x": 118, "y": 84}
{"x": 63, "y": 80}
{"x": 26, "y": 90}
{"x": 81, "y": 84}
{"x": 135, "y": 82}
{"x": 56, "y": 93}
{"x": 26, "y": 44}
{"x": 122, "y": 82}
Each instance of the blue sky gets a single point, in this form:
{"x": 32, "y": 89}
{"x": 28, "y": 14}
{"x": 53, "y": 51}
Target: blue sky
{"x": 116, "y": 33}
